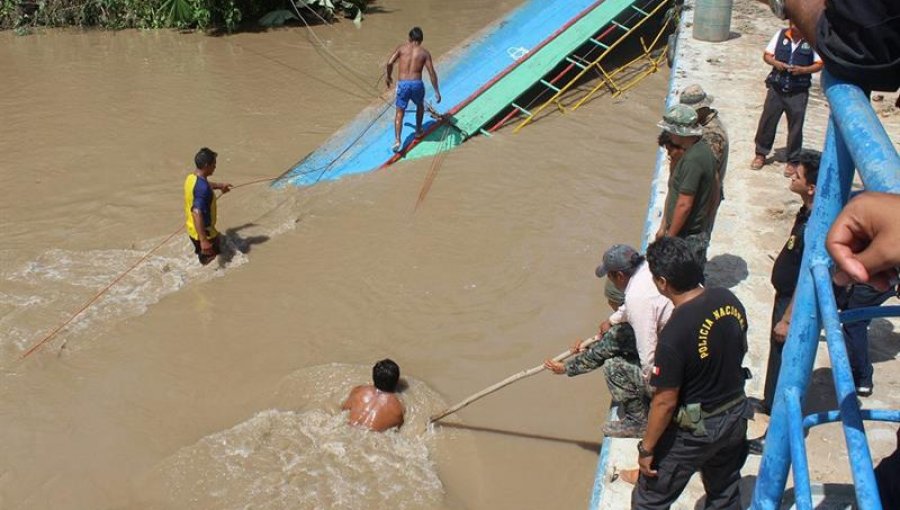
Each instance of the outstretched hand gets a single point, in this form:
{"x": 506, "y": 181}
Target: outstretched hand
{"x": 864, "y": 240}
{"x": 578, "y": 346}
{"x": 555, "y": 366}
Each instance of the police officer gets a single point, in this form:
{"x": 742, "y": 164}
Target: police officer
{"x": 793, "y": 61}
{"x": 698, "y": 414}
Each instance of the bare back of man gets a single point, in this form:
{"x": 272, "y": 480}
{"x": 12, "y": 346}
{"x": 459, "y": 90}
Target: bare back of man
{"x": 411, "y": 58}
{"x": 374, "y": 409}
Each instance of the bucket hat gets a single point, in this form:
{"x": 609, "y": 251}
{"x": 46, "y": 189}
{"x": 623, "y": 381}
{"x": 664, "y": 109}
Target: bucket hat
{"x": 695, "y": 97}
{"x": 681, "y": 120}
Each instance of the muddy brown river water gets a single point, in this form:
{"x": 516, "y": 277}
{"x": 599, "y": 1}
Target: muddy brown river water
{"x": 218, "y": 387}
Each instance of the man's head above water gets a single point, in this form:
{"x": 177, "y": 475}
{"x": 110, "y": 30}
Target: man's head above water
{"x": 385, "y": 375}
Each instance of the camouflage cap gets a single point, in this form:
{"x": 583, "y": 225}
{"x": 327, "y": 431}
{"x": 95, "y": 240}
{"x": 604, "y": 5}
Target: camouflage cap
{"x": 681, "y": 120}
{"x": 695, "y": 97}
{"x": 620, "y": 257}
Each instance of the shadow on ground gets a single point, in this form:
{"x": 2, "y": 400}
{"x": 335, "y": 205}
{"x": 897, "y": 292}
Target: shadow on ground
{"x": 748, "y": 482}
{"x": 726, "y": 270}
{"x": 825, "y": 496}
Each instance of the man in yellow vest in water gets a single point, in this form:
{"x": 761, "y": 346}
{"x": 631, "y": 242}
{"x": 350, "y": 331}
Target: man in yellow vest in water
{"x": 200, "y": 206}
{"x": 377, "y": 407}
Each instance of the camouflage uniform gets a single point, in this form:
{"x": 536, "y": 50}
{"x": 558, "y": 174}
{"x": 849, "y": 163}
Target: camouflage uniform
{"x": 715, "y": 136}
{"x": 699, "y": 243}
{"x": 617, "y": 353}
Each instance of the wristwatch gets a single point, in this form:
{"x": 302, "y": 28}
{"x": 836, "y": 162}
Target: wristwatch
{"x": 777, "y": 7}
{"x": 642, "y": 453}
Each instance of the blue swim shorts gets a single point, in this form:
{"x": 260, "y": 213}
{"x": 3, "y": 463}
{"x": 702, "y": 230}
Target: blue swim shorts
{"x": 410, "y": 90}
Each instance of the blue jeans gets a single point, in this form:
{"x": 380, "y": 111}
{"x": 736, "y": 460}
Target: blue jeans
{"x": 856, "y": 334}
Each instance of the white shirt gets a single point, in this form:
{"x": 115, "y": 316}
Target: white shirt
{"x": 647, "y": 311}
{"x": 770, "y": 49}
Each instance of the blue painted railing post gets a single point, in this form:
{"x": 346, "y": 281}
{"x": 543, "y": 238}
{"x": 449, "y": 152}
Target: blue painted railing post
{"x": 855, "y": 139}
{"x": 798, "y": 450}
{"x": 854, "y": 431}
{"x": 832, "y": 188}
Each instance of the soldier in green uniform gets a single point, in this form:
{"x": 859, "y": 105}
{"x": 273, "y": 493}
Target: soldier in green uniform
{"x": 714, "y": 133}
{"x": 616, "y": 352}
{"x": 693, "y": 195}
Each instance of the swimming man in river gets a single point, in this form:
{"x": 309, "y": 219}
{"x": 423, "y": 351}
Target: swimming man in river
{"x": 411, "y": 57}
{"x": 376, "y": 407}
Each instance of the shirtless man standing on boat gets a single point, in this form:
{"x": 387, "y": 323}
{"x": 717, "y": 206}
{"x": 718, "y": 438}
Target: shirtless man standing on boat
{"x": 376, "y": 407}
{"x": 411, "y": 58}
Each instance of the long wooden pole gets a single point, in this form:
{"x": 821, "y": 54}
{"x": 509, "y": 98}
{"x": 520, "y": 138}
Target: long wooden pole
{"x": 506, "y": 382}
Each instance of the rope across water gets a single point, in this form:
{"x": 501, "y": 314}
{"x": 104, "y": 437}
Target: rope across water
{"x": 55, "y": 331}
{"x": 359, "y": 81}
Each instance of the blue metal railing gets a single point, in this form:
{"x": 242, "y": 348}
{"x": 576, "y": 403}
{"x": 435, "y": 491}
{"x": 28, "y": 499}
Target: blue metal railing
{"x": 855, "y": 139}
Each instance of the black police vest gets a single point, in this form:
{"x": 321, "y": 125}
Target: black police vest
{"x": 784, "y": 81}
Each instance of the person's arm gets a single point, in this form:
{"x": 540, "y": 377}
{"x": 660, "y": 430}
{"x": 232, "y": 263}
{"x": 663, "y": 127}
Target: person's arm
{"x": 661, "y": 231}
{"x": 680, "y": 214}
{"x": 782, "y": 326}
{"x": 434, "y": 77}
{"x": 389, "y": 67}
{"x": 559, "y": 368}
{"x": 594, "y": 357}
{"x": 202, "y": 201}
{"x": 815, "y": 67}
{"x": 200, "y": 227}
{"x": 772, "y": 61}
{"x": 224, "y": 187}
{"x": 769, "y": 54}
{"x": 617, "y": 317}
{"x": 662, "y": 408}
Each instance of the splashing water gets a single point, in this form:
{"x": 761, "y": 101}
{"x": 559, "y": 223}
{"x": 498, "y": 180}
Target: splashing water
{"x": 308, "y": 458}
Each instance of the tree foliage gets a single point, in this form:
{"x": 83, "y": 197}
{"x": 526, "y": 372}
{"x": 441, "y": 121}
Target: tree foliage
{"x": 184, "y": 14}
{"x": 316, "y": 9}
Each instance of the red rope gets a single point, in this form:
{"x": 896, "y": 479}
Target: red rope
{"x": 110, "y": 285}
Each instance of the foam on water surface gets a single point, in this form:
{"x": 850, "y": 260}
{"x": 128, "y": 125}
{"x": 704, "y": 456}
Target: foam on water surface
{"x": 308, "y": 457}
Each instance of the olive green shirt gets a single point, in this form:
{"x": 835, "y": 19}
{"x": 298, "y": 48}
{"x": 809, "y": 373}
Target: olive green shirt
{"x": 694, "y": 175}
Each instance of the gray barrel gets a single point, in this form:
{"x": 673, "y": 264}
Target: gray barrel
{"x": 712, "y": 20}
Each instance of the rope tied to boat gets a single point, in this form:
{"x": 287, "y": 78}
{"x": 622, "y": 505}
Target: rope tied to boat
{"x": 87, "y": 304}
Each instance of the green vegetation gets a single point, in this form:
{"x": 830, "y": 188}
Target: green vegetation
{"x": 230, "y": 15}
{"x": 324, "y": 9}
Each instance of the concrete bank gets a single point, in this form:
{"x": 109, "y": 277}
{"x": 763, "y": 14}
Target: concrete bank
{"x": 752, "y": 226}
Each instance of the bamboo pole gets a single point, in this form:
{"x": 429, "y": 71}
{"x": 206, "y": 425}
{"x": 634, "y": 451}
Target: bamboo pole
{"x": 506, "y": 382}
